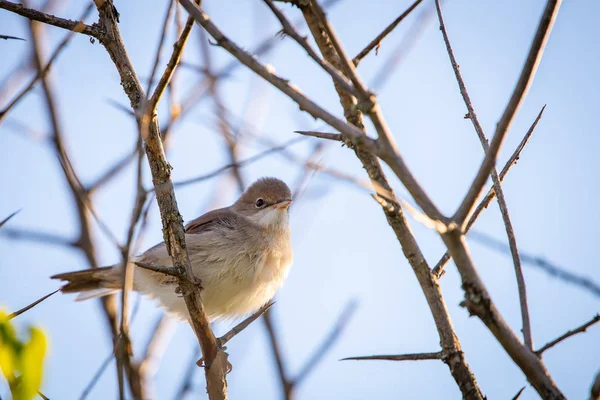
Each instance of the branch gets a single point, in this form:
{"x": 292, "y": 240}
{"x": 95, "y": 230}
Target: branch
{"x": 320, "y": 352}
{"x": 439, "y": 267}
{"x": 222, "y": 341}
{"x": 322, "y": 135}
{"x": 7, "y": 37}
{"x": 173, "y": 232}
{"x": 527, "y": 73}
{"x": 353, "y": 134}
{"x": 30, "y": 306}
{"x": 286, "y": 384}
{"x": 35, "y": 15}
{"x": 163, "y": 34}
{"x": 289, "y": 30}
{"x": 172, "y": 64}
{"x": 567, "y": 335}
{"x": 5, "y": 220}
{"x": 595, "y": 389}
{"x": 510, "y": 233}
{"x": 551, "y": 269}
{"x": 79, "y": 196}
{"x": 377, "y": 41}
{"x": 51, "y": 60}
{"x": 456, "y": 362}
{"x": 401, "y": 357}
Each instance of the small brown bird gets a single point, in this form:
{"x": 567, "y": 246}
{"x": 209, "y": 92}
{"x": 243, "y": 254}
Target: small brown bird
{"x": 242, "y": 254}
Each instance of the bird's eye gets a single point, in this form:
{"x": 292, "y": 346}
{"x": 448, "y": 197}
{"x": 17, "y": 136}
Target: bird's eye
{"x": 260, "y": 203}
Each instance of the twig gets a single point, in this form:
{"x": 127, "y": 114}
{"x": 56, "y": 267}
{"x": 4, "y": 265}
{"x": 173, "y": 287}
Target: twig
{"x": 567, "y": 335}
{"x": 75, "y": 26}
{"x": 439, "y": 267}
{"x": 5, "y": 220}
{"x": 377, "y": 41}
{"x": 186, "y": 382}
{"x": 96, "y": 377}
{"x": 550, "y": 268}
{"x": 30, "y": 306}
{"x": 289, "y": 30}
{"x": 527, "y": 73}
{"x": 41, "y": 237}
{"x": 321, "y": 351}
{"x": 224, "y": 125}
{"x": 456, "y": 361}
{"x": 163, "y": 34}
{"x": 401, "y": 357}
{"x": 241, "y": 163}
{"x": 75, "y": 185}
{"x": 171, "y": 271}
{"x": 322, "y": 135}
{"x": 174, "y": 236}
{"x": 595, "y": 389}
{"x": 222, "y": 341}
{"x": 408, "y": 42}
{"x": 156, "y": 347}
{"x": 171, "y": 65}
{"x": 510, "y": 233}
{"x": 197, "y": 93}
{"x": 286, "y": 384}
{"x": 518, "y": 395}
{"x": 355, "y": 135}
{"x": 6, "y": 37}
{"x": 46, "y": 69}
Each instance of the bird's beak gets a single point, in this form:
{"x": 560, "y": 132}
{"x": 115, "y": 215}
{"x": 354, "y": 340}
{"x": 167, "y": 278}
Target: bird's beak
{"x": 283, "y": 204}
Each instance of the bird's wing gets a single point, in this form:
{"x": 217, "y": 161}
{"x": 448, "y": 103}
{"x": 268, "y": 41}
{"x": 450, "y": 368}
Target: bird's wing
{"x": 208, "y": 221}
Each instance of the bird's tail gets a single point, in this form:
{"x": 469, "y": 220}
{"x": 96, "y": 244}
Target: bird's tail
{"x": 90, "y": 283}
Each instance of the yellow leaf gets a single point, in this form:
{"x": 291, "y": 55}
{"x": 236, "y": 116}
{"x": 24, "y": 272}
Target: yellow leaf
{"x": 31, "y": 365}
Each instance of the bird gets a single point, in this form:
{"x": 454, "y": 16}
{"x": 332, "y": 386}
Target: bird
{"x": 242, "y": 254}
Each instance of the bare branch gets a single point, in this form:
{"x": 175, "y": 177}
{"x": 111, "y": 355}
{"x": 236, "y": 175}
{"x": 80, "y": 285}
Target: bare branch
{"x": 222, "y": 341}
{"x": 527, "y": 73}
{"x": 241, "y": 163}
{"x": 215, "y": 360}
{"x": 377, "y": 41}
{"x": 401, "y": 357}
{"x": 51, "y": 60}
{"x": 595, "y": 389}
{"x": 30, "y": 306}
{"x": 5, "y": 220}
{"x": 510, "y": 233}
{"x": 289, "y": 30}
{"x": 439, "y": 267}
{"x": 286, "y": 384}
{"x": 34, "y": 15}
{"x": 355, "y": 135}
{"x": 171, "y": 271}
{"x": 456, "y": 360}
{"x": 163, "y": 34}
{"x": 172, "y": 64}
{"x": 518, "y": 395}
{"x": 41, "y": 237}
{"x": 322, "y": 135}
{"x": 568, "y": 334}
{"x": 88, "y": 388}
{"x": 548, "y": 267}
{"x": 6, "y": 37}
{"x": 321, "y": 351}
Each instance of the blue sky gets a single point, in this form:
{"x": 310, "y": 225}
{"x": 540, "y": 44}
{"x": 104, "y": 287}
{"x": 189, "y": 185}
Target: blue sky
{"x": 343, "y": 247}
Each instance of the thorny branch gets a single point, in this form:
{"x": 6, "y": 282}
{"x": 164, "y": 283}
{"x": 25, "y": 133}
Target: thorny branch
{"x": 568, "y": 334}
{"x": 215, "y": 359}
{"x": 439, "y": 267}
{"x": 497, "y": 187}
{"x": 375, "y": 43}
